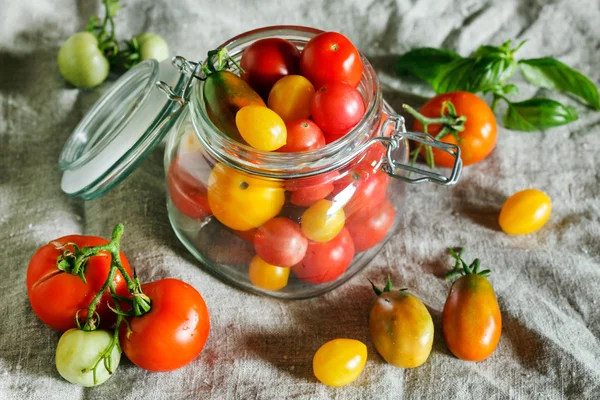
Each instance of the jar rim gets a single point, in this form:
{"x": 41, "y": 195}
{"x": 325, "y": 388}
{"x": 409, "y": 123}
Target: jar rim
{"x": 285, "y": 165}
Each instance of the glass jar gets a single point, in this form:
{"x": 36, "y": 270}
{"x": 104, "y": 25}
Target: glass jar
{"x": 288, "y": 225}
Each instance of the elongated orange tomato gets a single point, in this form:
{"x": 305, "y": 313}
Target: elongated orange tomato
{"x": 471, "y": 320}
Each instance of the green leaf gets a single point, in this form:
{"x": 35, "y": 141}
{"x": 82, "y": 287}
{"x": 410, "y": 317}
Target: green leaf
{"x": 481, "y": 74}
{"x": 510, "y": 89}
{"x": 425, "y": 63}
{"x": 537, "y": 114}
{"x": 455, "y": 76}
{"x": 494, "y": 51}
{"x": 552, "y": 74}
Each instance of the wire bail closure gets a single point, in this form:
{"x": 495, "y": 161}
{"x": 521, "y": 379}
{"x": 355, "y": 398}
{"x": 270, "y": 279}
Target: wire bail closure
{"x": 185, "y": 67}
{"x": 392, "y": 168}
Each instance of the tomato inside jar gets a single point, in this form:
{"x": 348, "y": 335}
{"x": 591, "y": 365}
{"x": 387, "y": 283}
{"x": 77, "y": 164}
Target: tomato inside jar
{"x": 288, "y": 194}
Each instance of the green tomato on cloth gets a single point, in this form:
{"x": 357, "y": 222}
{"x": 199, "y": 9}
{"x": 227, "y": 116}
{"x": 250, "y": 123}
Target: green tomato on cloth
{"x": 152, "y": 46}
{"x": 81, "y": 62}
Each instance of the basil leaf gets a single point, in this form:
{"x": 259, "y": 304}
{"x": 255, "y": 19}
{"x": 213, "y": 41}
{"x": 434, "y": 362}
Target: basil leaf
{"x": 425, "y": 62}
{"x": 502, "y": 51}
{"x": 537, "y": 114}
{"x": 552, "y": 74}
{"x": 493, "y": 71}
{"x": 481, "y": 74}
{"x": 455, "y": 76}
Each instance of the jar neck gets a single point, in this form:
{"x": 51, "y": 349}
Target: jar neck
{"x": 287, "y": 165}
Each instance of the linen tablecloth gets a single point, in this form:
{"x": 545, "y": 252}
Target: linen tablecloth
{"x": 547, "y": 283}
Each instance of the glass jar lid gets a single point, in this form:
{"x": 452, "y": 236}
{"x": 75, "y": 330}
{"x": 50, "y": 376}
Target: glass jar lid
{"x": 122, "y": 128}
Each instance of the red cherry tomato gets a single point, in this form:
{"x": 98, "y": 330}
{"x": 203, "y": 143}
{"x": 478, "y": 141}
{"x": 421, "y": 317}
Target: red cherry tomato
{"x": 302, "y": 135}
{"x": 330, "y": 56}
{"x": 173, "y": 332}
{"x": 56, "y": 296}
{"x": 307, "y": 191}
{"x": 477, "y": 140}
{"x": 185, "y": 180}
{"x": 337, "y": 107}
{"x": 266, "y": 61}
{"x": 326, "y": 261}
{"x": 362, "y": 190}
{"x": 280, "y": 242}
{"x": 368, "y": 230}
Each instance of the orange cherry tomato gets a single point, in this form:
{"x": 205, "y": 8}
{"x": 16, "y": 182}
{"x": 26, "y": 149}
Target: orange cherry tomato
{"x": 291, "y": 97}
{"x": 525, "y": 212}
{"x": 322, "y": 221}
{"x": 267, "y": 276}
{"x": 477, "y": 140}
{"x": 240, "y": 201}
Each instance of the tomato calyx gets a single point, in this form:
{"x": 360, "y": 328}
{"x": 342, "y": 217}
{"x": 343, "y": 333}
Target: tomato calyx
{"x": 461, "y": 268}
{"x": 452, "y": 124}
{"x": 386, "y": 288}
{"x": 217, "y": 60}
{"x": 72, "y": 261}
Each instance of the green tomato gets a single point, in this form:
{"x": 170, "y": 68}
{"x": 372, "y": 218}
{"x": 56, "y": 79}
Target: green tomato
{"x": 78, "y": 352}
{"x": 81, "y": 62}
{"x": 152, "y": 46}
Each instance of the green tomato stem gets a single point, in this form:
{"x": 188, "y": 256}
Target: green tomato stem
{"x": 140, "y": 302}
{"x": 451, "y": 124}
{"x": 461, "y": 268}
{"x": 106, "y": 355}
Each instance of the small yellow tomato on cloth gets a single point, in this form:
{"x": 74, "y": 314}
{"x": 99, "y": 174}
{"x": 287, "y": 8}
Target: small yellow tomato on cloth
{"x": 525, "y": 212}
{"x": 340, "y": 361}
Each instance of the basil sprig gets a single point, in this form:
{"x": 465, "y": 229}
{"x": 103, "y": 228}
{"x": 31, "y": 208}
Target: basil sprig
{"x": 489, "y": 68}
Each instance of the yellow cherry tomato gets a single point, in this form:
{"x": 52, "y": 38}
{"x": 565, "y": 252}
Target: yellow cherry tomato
{"x": 322, "y": 221}
{"x": 261, "y": 127}
{"x": 267, "y": 276}
{"x": 340, "y": 361}
{"x": 242, "y": 202}
{"x": 291, "y": 97}
{"x": 525, "y": 212}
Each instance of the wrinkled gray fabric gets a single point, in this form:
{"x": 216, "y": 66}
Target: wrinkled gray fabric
{"x": 259, "y": 348}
